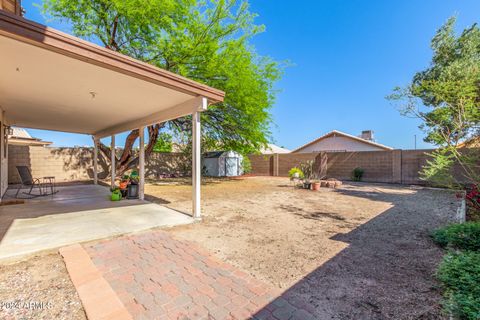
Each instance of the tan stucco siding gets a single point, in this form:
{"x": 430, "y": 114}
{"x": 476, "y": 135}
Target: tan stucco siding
{"x": 338, "y": 143}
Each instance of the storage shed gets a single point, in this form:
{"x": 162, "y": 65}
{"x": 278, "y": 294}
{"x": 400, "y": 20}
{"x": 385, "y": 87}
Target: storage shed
{"x": 222, "y": 164}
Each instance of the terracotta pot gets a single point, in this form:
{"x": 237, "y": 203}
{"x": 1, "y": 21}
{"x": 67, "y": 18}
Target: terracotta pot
{"x": 315, "y": 186}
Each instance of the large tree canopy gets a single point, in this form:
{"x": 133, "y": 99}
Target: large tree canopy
{"x": 446, "y": 97}
{"x": 207, "y": 41}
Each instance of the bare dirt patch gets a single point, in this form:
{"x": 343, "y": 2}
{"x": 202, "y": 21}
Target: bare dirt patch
{"x": 38, "y": 288}
{"x": 358, "y": 252}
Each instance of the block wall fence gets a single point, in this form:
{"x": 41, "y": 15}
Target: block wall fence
{"x": 75, "y": 164}
{"x": 396, "y": 166}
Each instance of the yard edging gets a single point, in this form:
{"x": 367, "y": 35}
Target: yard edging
{"x": 91, "y": 287}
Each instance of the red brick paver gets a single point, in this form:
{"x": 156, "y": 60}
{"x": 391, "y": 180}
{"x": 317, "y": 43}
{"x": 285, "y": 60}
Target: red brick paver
{"x": 159, "y": 277}
{"x": 99, "y": 300}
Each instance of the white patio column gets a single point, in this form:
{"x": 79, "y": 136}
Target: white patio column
{"x": 112, "y": 161}
{"x": 141, "y": 164}
{"x": 196, "y": 169}
{"x": 95, "y": 160}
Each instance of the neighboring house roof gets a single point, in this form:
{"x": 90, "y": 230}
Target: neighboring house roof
{"x": 21, "y": 136}
{"x": 346, "y": 135}
{"x": 473, "y": 142}
{"x": 272, "y": 148}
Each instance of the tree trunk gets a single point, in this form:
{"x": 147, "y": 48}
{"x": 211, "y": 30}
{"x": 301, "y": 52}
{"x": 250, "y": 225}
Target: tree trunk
{"x": 128, "y": 159}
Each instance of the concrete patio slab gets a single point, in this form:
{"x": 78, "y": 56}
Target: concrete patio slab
{"x": 77, "y": 214}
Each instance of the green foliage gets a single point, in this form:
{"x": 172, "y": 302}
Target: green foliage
{"x": 295, "y": 170}
{"x": 446, "y": 97}
{"x": 246, "y": 165}
{"x": 461, "y": 236}
{"x": 205, "y": 40}
{"x": 163, "y": 143}
{"x": 308, "y": 170}
{"x": 460, "y": 275}
{"x": 357, "y": 174}
{"x": 437, "y": 170}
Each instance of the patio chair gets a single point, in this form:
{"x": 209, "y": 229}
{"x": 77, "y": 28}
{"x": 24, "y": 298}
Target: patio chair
{"x": 28, "y": 181}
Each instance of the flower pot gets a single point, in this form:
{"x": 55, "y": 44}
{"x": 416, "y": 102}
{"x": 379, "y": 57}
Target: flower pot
{"x": 306, "y": 185}
{"x": 132, "y": 191}
{"x": 116, "y": 196}
{"x": 316, "y": 186}
{"x": 123, "y": 185}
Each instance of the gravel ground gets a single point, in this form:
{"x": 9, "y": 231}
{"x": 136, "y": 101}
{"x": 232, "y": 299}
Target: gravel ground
{"x": 358, "y": 252}
{"x": 38, "y": 288}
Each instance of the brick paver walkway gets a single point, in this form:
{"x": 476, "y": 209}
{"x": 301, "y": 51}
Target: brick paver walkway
{"x": 159, "y": 277}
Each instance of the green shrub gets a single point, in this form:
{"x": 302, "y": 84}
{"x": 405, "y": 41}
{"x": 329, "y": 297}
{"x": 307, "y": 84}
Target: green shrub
{"x": 463, "y": 236}
{"x": 460, "y": 275}
{"x": 246, "y": 165}
{"x": 295, "y": 170}
{"x": 357, "y": 174}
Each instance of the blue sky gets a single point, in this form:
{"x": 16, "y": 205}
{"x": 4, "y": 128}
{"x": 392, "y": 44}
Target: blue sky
{"x": 346, "y": 57}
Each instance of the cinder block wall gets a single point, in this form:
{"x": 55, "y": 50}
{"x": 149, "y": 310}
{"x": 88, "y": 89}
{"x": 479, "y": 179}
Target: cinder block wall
{"x": 76, "y": 164}
{"x": 262, "y": 165}
{"x": 378, "y": 165}
{"x": 396, "y": 166}
{"x": 66, "y": 164}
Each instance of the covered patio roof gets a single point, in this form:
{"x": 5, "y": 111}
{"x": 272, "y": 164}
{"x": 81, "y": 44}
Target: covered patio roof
{"x": 53, "y": 81}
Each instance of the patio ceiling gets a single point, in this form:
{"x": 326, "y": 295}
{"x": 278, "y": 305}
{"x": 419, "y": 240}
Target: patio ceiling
{"x": 51, "y": 80}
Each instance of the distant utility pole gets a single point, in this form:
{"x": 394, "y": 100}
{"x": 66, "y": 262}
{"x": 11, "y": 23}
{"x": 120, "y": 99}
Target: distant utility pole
{"x": 415, "y": 139}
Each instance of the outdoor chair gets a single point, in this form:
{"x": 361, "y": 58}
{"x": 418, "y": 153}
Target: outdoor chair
{"x": 28, "y": 181}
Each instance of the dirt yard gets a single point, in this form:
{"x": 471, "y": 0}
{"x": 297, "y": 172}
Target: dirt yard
{"x": 38, "y": 288}
{"x": 359, "y": 252}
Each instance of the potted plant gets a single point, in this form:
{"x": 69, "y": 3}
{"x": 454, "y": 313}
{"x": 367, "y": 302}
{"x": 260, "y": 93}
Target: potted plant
{"x": 308, "y": 172}
{"x": 295, "y": 173}
{"x": 116, "y": 195}
{"x": 133, "y": 188}
{"x": 134, "y": 177}
{"x": 316, "y": 185}
{"x": 124, "y": 182}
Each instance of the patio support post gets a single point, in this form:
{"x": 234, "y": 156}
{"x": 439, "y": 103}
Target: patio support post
{"x": 95, "y": 160}
{"x": 196, "y": 170}
{"x": 112, "y": 157}
{"x": 141, "y": 162}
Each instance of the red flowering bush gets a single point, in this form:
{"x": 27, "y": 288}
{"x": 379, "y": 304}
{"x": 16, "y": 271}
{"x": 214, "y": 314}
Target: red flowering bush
{"x": 473, "y": 196}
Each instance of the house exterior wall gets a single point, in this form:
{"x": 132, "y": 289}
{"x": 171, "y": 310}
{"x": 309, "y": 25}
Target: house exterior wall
{"x": 337, "y": 144}
{"x": 13, "y": 6}
{"x": 3, "y": 155}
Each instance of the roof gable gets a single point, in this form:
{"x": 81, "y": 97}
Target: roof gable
{"x": 346, "y": 135}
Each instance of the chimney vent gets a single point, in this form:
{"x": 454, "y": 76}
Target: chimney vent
{"x": 367, "y": 135}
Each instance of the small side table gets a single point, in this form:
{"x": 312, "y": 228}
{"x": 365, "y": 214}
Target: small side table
{"x": 49, "y": 182}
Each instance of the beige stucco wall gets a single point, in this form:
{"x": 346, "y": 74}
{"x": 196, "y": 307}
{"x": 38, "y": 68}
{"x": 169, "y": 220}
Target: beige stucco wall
{"x": 338, "y": 143}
